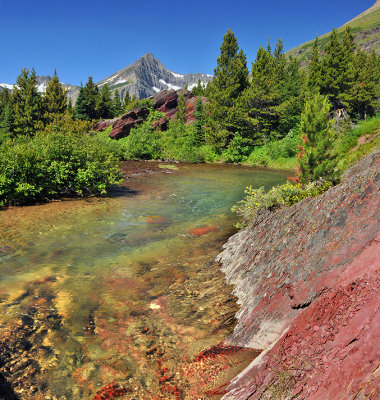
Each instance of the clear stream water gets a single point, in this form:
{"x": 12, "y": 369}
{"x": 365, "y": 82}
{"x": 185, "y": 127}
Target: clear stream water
{"x": 122, "y": 289}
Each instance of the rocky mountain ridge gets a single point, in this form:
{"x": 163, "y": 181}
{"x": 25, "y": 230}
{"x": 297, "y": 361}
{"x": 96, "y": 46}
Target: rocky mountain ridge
{"x": 148, "y": 76}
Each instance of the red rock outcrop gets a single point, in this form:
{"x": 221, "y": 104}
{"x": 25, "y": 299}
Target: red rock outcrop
{"x": 165, "y": 101}
{"x": 126, "y": 122}
{"x": 308, "y": 280}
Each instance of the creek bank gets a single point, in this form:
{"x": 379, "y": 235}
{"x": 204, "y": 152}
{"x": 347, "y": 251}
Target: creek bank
{"x": 307, "y": 279}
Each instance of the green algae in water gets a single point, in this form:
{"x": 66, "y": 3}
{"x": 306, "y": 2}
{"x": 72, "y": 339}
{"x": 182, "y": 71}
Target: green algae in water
{"x": 117, "y": 287}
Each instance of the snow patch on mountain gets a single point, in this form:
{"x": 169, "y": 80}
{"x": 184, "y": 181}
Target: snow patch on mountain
{"x": 156, "y": 89}
{"x": 177, "y": 75}
{"x": 169, "y": 85}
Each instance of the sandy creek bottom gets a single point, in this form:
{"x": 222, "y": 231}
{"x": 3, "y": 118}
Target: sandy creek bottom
{"x": 118, "y": 297}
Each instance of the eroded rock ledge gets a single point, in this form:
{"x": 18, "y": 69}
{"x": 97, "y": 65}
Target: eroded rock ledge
{"x": 308, "y": 281}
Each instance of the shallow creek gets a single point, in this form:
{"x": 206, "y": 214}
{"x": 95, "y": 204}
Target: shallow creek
{"x": 119, "y": 297}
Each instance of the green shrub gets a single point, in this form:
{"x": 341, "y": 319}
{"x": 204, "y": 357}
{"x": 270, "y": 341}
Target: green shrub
{"x": 238, "y": 149}
{"x": 148, "y": 103}
{"x": 180, "y": 143}
{"x": 52, "y": 165}
{"x": 142, "y": 143}
{"x": 117, "y": 147}
{"x": 282, "y": 195}
{"x": 278, "y": 152}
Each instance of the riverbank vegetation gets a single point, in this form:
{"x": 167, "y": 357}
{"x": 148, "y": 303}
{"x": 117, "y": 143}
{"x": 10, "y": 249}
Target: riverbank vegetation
{"x": 275, "y": 115}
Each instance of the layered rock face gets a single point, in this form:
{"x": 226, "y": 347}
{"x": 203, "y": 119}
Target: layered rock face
{"x": 308, "y": 281}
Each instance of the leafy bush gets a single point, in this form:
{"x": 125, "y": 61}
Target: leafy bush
{"x": 282, "y": 195}
{"x": 65, "y": 123}
{"x": 274, "y": 153}
{"x": 179, "y": 143}
{"x": 238, "y": 149}
{"x": 53, "y": 165}
{"x": 117, "y": 147}
{"x": 142, "y": 143}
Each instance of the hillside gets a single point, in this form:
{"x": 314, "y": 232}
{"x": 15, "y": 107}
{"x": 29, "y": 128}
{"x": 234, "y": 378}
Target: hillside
{"x": 366, "y": 28}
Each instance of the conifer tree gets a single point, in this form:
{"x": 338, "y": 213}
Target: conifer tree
{"x": 181, "y": 108}
{"x": 103, "y": 103}
{"x": 6, "y": 122}
{"x": 199, "y": 120}
{"x": 361, "y": 96}
{"x": 333, "y": 71}
{"x": 26, "y": 103}
{"x": 291, "y": 97}
{"x": 230, "y": 80}
{"x": 316, "y": 159}
{"x": 80, "y": 107}
{"x": 127, "y": 100}
{"x": 117, "y": 107}
{"x": 261, "y": 97}
{"x": 70, "y": 108}
{"x": 314, "y": 75}
{"x": 90, "y": 92}
{"x": 55, "y": 99}
{"x": 198, "y": 90}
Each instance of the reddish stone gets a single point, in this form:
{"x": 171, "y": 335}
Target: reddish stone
{"x": 126, "y": 122}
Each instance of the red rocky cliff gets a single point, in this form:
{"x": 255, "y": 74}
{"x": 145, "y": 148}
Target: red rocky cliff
{"x": 308, "y": 280}
{"x": 165, "y": 101}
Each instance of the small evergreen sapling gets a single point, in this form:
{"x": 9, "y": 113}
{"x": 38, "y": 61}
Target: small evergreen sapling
{"x": 316, "y": 160}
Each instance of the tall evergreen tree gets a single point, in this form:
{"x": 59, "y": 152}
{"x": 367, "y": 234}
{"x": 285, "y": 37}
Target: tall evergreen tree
{"x": 55, "y": 99}
{"x": 199, "y": 120}
{"x": 26, "y": 101}
{"x": 103, "y": 103}
{"x": 90, "y": 92}
{"x": 6, "y": 122}
{"x": 181, "y": 108}
{"x": 314, "y": 75}
{"x": 117, "y": 107}
{"x": 361, "y": 95}
{"x": 230, "y": 80}
{"x": 80, "y": 106}
{"x": 70, "y": 108}
{"x": 333, "y": 71}
{"x": 261, "y": 98}
{"x": 291, "y": 97}
{"x": 127, "y": 100}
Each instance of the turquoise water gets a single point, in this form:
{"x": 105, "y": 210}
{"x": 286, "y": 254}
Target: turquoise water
{"x": 110, "y": 270}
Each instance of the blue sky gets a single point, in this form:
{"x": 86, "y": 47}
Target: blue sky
{"x": 97, "y": 38}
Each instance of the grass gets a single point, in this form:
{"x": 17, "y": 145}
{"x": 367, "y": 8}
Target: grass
{"x": 360, "y": 27}
{"x": 347, "y": 147}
